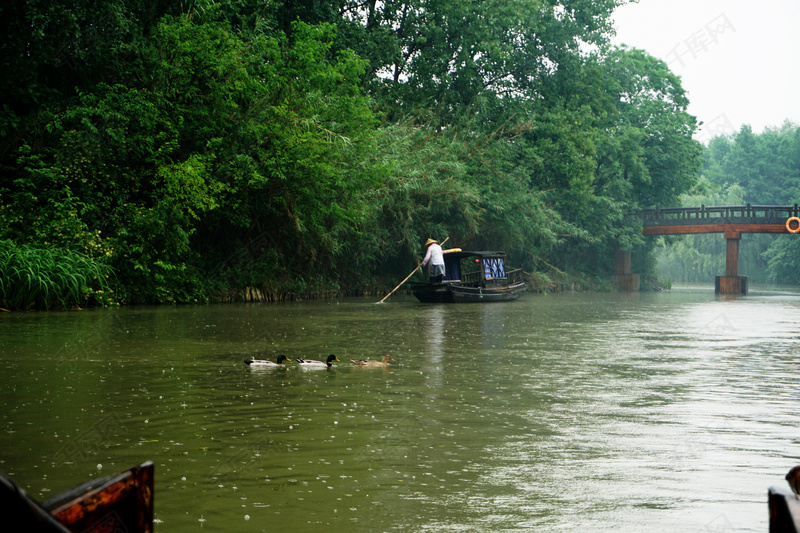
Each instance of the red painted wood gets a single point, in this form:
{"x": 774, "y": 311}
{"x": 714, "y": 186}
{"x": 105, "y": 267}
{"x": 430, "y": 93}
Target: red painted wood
{"x": 732, "y": 256}
{"x": 714, "y": 228}
{"x": 123, "y": 502}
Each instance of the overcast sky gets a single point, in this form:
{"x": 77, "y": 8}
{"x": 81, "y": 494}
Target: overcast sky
{"x": 739, "y": 60}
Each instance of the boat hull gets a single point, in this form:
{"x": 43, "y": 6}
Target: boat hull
{"x": 460, "y": 293}
{"x": 120, "y": 502}
{"x": 506, "y": 293}
{"x": 433, "y": 293}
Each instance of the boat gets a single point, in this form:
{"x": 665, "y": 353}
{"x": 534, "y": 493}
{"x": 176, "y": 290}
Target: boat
{"x": 120, "y": 502}
{"x": 473, "y": 277}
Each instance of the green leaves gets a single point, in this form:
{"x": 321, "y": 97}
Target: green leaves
{"x": 659, "y": 157}
{"x": 188, "y": 187}
{"x": 45, "y": 278}
{"x": 299, "y": 144}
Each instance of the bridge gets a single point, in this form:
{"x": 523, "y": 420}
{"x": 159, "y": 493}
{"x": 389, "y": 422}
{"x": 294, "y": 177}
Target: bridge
{"x": 731, "y": 221}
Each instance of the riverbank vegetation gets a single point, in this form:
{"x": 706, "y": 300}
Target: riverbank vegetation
{"x": 199, "y": 148}
{"x": 45, "y": 278}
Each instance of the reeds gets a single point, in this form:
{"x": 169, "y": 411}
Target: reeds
{"x": 45, "y": 278}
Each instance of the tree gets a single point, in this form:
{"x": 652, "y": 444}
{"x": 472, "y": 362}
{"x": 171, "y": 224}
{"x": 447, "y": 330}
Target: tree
{"x": 652, "y": 100}
{"x": 308, "y": 146}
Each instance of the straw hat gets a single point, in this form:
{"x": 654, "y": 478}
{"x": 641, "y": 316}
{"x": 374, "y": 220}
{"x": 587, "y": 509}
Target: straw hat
{"x": 431, "y": 241}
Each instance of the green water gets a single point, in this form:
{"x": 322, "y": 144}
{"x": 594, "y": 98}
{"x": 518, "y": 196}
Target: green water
{"x": 595, "y": 412}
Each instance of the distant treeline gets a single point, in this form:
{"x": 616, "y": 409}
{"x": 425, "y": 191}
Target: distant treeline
{"x": 192, "y": 149}
{"x": 740, "y": 169}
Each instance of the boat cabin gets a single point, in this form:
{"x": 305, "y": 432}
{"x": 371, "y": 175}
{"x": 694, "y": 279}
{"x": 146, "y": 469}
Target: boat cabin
{"x": 477, "y": 268}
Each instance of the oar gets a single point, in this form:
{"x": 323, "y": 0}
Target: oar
{"x": 412, "y": 273}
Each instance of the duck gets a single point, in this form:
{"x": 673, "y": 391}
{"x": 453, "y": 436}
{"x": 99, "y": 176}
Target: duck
{"x": 309, "y": 363}
{"x": 263, "y": 362}
{"x": 364, "y": 362}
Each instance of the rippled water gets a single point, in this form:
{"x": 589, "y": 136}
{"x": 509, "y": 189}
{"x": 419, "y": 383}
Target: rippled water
{"x": 597, "y": 412}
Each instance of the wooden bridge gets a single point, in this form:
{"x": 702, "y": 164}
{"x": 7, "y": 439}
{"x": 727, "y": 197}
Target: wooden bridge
{"x": 731, "y": 221}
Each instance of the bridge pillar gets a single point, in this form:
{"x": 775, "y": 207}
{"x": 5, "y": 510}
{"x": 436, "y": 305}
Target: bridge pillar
{"x": 622, "y": 278}
{"x": 732, "y": 253}
{"x": 731, "y": 282}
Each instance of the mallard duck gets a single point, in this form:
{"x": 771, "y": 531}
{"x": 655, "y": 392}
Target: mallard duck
{"x": 309, "y": 363}
{"x": 263, "y": 362}
{"x": 364, "y": 362}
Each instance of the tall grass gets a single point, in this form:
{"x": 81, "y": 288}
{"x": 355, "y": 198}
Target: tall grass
{"x": 48, "y": 278}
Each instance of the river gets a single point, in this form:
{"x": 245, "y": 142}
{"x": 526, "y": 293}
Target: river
{"x": 672, "y": 411}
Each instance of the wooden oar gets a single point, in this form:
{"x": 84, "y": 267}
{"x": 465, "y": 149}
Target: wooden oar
{"x": 412, "y": 273}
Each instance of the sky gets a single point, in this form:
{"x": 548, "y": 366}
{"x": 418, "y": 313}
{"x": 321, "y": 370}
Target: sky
{"x": 739, "y": 60}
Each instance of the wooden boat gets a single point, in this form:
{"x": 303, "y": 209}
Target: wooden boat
{"x": 784, "y": 511}
{"x": 120, "y": 502}
{"x": 473, "y": 277}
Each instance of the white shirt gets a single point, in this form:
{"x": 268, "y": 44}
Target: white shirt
{"x": 434, "y": 255}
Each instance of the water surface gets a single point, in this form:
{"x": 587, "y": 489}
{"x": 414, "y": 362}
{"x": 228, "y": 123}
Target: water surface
{"x": 666, "y": 411}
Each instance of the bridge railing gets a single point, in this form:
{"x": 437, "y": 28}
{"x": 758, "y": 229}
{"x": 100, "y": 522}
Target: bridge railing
{"x": 660, "y": 214}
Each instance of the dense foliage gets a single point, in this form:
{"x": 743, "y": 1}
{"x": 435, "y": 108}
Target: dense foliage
{"x": 43, "y": 278}
{"x": 744, "y": 168}
{"x": 307, "y": 146}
